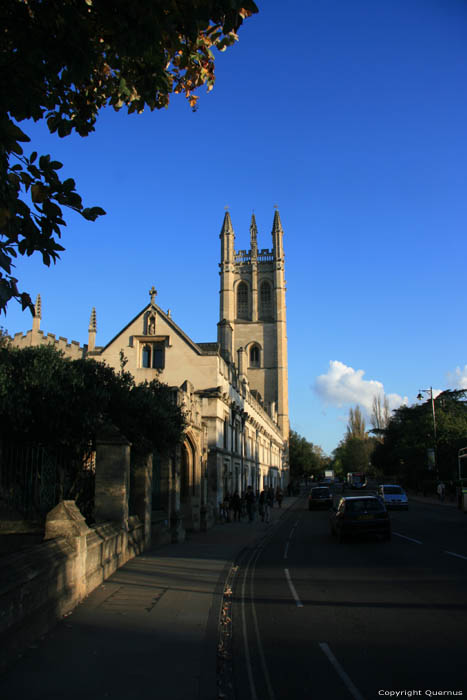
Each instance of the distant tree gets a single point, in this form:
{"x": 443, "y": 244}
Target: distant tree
{"x": 353, "y": 454}
{"x": 410, "y": 434}
{"x": 356, "y": 424}
{"x": 305, "y": 458}
{"x": 380, "y": 413}
{"x": 65, "y": 61}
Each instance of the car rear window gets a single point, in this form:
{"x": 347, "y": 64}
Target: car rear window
{"x": 367, "y": 504}
{"x": 392, "y": 489}
{"x": 320, "y": 492}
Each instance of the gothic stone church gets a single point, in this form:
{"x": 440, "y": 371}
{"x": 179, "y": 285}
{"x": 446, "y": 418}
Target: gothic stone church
{"x": 233, "y": 391}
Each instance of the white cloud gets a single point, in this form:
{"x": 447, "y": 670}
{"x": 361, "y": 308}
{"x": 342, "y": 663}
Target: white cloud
{"x": 458, "y": 378}
{"x": 344, "y": 385}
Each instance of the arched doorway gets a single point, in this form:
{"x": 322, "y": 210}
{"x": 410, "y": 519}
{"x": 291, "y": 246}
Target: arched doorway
{"x": 189, "y": 486}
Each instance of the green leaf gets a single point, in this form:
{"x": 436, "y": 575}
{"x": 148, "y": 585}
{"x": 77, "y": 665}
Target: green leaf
{"x": 38, "y": 193}
{"x": 92, "y": 213}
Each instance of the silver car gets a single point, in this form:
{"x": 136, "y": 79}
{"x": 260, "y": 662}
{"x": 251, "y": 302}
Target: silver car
{"x": 393, "y": 496}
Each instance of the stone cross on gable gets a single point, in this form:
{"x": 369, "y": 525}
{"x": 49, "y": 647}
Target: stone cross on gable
{"x": 152, "y": 294}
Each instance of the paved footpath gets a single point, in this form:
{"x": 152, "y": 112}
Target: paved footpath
{"x": 149, "y": 631}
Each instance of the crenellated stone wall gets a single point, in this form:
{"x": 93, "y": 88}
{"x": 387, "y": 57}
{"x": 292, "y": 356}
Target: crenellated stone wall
{"x": 32, "y": 338}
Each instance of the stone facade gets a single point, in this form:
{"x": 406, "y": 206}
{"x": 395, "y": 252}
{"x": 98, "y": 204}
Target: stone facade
{"x": 233, "y": 391}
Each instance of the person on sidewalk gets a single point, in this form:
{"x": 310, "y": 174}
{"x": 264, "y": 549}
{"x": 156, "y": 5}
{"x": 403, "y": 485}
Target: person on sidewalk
{"x": 236, "y": 506}
{"x": 269, "y": 504}
{"x": 270, "y": 497}
{"x": 250, "y": 503}
{"x": 262, "y": 504}
{"x": 279, "y": 496}
{"x": 441, "y": 491}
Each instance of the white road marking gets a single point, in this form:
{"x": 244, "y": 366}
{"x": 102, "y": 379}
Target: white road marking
{"x": 245, "y": 638}
{"x": 453, "y": 554}
{"x": 258, "y": 636}
{"x": 343, "y": 675}
{"x": 292, "y": 589}
{"x": 289, "y": 539}
{"x": 411, "y": 539}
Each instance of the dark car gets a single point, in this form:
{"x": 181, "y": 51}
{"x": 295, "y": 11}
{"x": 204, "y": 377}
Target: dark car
{"x": 360, "y": 515}
{"x": 319, "y": 497}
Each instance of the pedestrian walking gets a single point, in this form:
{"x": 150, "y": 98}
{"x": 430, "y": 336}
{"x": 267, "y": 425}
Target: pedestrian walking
{"x": 270, "y": 496}
{"x": 279, "y": 496}
{"x": 441, "y": 491}
{"x": 250, "y": 503}
{"x": 262, "y": 504}
{"x": 236, "y": 506}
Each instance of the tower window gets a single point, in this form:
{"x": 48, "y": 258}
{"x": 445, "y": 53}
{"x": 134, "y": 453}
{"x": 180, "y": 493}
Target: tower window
{"x": 265, "y": 300}
{"x": 242, "y": 300}
{"x": 254, "y": 356}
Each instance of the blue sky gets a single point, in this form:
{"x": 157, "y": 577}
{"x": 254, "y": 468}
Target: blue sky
{"x": 352, "y": 118}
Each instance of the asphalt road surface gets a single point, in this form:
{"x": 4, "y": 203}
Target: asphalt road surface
{"x": 364, "y": 619}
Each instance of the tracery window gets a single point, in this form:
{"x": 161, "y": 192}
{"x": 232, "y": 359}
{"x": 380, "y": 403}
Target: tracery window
{"x": 265, "y": 300}
{"x": 242, "y": 300}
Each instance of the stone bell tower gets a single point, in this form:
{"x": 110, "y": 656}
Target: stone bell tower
{"x": 253, "y": 315}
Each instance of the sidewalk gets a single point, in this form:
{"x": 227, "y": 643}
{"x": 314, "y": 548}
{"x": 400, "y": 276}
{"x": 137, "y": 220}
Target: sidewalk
{"x": 151, "y": 630}
{"x": 432, "y": 500}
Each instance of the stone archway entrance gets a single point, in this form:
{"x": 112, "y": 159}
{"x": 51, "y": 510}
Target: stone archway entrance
{"x": 190, "y": 486}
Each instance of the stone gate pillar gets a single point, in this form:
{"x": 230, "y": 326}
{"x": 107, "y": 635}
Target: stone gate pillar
{"x": 112, "y": 477}
{"x": 142, "y": 492}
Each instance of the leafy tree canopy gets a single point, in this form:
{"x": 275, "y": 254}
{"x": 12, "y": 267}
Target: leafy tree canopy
{"x": 50, "y": 400}
{"x": 410, "y": 434}
{"x": 305, "y": 458}
{"x": 63, "y": 61}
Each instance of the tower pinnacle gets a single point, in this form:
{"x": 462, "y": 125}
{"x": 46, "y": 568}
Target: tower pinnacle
{"x": 253, "y": 236}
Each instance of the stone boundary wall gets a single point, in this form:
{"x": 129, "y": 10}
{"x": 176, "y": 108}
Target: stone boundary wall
{"x": 41, "y": 584}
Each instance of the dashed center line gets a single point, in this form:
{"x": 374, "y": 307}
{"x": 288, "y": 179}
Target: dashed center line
{"x": 353, "y": 690}
{"x": 292, "y": 589}
{"x": 411, "y": 539}
{"x": 453, "y": 554}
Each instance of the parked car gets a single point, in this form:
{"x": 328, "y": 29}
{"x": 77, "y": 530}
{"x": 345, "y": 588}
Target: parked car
{"x": 319, "y": 497}
{"x": 360, "y": 515}
{"x": 393, "y": 496}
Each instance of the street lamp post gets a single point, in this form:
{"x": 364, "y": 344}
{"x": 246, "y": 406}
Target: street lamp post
{"x": 420, "y": 397}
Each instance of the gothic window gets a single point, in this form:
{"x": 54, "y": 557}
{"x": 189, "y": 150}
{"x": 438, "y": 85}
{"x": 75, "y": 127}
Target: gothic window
{"x": 254, "y": 356}
{"x": 158, "y": 355}
{"x": 153, "y": 355}
{"x": 146, "y": 357}
{"x": 242, "y": 300}
{"x": 265, "y": 301}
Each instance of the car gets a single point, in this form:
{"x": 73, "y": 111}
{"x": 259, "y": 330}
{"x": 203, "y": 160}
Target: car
{"x": 360, "y": 515}
{"x": 319, "y": 497}
{"x": 393, "y": 496}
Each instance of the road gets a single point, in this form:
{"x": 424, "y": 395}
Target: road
{"x": 313, "y": 618}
